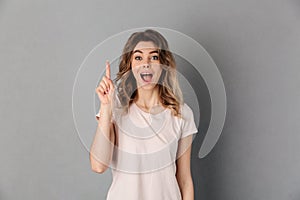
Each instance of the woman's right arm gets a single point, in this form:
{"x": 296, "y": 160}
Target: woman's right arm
{"x": 103, "y": 144}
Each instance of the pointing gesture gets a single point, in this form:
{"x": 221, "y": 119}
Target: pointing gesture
{"x": 107, "y": 69}
{"x": 105, "y": 87}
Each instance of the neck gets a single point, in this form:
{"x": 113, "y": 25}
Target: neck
{"x": 147, "y": 98}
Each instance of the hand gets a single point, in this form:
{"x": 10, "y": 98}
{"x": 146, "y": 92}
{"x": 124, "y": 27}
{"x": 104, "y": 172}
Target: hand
{"x": 106, "y": 87}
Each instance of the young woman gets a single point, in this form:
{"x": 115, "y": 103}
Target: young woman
{"x": 144, "y": 128}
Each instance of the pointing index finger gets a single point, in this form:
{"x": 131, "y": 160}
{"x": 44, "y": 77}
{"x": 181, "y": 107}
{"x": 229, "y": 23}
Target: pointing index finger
{"x": 107, "y": 69}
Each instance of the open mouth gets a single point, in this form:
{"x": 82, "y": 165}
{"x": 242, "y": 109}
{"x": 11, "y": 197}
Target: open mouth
{"x": 147, "y": 77}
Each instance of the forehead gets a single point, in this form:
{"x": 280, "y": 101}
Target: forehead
{"x": 145, "y": 46}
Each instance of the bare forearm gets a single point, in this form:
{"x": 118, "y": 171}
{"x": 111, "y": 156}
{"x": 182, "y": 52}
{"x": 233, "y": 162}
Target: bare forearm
{"x": 188, "y": 193}
{"x": 187, "y": 190}
{"x": 103, "y": 143}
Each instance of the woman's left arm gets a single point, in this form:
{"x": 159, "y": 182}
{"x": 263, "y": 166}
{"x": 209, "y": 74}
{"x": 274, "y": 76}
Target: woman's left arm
{"x": 183, "y": 173}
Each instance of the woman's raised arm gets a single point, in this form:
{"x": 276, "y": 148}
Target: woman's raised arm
{"x": 103, "y": 144}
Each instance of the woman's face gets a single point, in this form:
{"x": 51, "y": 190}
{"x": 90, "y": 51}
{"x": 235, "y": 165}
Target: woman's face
{"x": 145, "y": 65}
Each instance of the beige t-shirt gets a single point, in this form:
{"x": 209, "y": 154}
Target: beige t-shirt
{"x": 143, "y": 164}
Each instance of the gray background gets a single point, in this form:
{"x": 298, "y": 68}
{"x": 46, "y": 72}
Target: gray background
{"x": 255, "y": 44}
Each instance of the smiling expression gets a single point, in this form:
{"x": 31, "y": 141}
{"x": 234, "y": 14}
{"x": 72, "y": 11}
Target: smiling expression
{"x": 145, "y": 65}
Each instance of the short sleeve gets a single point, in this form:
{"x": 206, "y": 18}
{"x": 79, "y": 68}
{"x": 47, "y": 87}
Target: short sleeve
{"x": 188, "y": 125}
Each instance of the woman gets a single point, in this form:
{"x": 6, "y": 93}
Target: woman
{"x": 144, "y": 129}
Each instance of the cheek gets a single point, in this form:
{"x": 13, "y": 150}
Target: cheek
{"x": 134, "y": 71}
{"x": 134, "y": 63}
{"x": 158, "y": 69}
{"x": 134, "y": 66}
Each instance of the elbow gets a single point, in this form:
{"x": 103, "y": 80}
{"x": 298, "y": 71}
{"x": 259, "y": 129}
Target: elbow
{"x": 97, "y": 166}
{"x": 98, "y": 169}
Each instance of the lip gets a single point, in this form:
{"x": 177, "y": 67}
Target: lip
{"x": 146, "y": 72}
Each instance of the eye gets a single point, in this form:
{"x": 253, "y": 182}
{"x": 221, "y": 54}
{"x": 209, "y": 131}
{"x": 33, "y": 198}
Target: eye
{"x": 138, "y": 58}
{"x": 154, "y": 57}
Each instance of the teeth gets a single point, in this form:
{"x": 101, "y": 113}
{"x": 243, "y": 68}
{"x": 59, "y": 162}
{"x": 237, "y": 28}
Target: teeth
{"x": 146, "y": 76}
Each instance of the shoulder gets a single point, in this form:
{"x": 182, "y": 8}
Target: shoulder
{"x": 185, "y": 110}
{"x": 188, "y": 125}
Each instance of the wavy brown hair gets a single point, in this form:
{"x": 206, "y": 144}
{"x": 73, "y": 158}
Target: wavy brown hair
{"x": 168, "y": 86}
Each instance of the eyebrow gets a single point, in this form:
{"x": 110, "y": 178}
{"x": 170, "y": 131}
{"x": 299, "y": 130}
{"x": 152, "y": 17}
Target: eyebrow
{"x": 139, "y": 51}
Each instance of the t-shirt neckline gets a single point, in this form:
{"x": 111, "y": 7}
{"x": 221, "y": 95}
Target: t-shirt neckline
{"x": 148, "y": 113}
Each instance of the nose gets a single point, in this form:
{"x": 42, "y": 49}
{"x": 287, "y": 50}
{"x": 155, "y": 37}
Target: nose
{"x": 146, "y": 65}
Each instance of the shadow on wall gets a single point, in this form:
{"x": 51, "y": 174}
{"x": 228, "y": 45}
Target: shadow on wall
{"x": 204, "y": 103}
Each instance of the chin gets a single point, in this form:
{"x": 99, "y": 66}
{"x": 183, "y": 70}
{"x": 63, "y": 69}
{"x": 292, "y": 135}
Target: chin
{"x": 148, "y": 86}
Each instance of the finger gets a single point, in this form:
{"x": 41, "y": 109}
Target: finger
{"x": 102, "y": 90}
{"x": 99, "y": 89}
{"x": 111, "y": 85}
{"x": 103, "y": 85}
{"x": 106, "y": 81}
{"x": 107, "y": 69}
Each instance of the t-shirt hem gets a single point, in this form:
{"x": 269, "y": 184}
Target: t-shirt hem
{"x": 187, "y": 133}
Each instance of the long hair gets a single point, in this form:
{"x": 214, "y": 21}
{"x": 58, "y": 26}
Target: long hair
{"x": 168, "y": 86}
